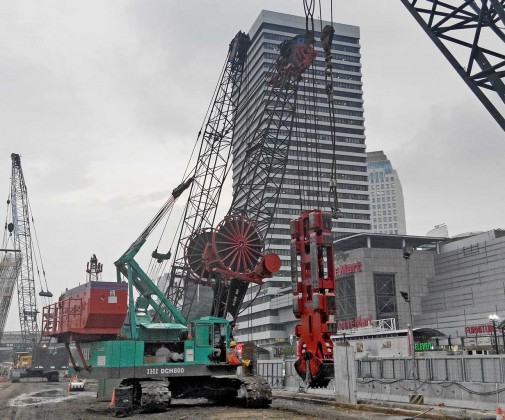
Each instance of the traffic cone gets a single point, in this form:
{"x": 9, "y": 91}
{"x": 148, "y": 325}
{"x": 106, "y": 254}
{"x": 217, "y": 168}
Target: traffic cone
{"x": 113, "y": 399}
{"x": 499, "y": 414}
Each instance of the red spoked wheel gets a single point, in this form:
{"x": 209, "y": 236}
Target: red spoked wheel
{"x": 237, "y": 243}
{"x": 195, "y": 248}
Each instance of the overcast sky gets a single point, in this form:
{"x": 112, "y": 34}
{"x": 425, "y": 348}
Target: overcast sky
{"x": 103, "y": 100}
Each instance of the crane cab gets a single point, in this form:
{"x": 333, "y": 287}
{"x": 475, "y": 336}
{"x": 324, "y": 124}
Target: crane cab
{"x": 211, "y": 338}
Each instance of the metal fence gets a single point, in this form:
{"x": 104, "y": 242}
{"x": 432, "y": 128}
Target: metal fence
{"x": 273, "y": 371}
{"x": 489, "y": 369}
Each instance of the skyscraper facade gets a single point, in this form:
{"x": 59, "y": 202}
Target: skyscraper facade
{"x": 266, "y": 316}
{"x": 386, "y": 195}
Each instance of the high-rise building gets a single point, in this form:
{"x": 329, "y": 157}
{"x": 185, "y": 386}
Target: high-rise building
{"x": 266, "y": 316}
{"x": 386, "y": 195}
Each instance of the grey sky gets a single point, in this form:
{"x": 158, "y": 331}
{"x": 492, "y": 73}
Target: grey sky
{"x": 103, "y": 100}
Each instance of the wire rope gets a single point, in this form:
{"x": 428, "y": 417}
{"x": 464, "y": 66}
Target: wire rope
{"x": 38, "y": 250}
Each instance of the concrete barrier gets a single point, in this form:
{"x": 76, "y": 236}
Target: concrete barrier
{"x": 468, "y": 395}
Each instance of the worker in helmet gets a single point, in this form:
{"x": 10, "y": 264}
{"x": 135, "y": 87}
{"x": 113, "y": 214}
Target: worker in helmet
{"x": 233, "y": 355}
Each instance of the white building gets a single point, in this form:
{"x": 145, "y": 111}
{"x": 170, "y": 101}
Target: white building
{"x": 467, "y": 286}
{"x": 386, "y": 195}
{"x": 269, "y": 319}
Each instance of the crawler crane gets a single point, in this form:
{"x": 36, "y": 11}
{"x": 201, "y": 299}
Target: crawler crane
{"x": 129, "y": 330}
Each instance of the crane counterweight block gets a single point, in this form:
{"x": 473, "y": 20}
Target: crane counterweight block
{"x": 270, "y": 264}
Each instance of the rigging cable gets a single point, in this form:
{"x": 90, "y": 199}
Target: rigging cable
{"x": 314, "y": 126}
{"x": 301, "y": 175}
{"x": 184, "y": 176}
{"x": 326, "y": 42}
{"x": 308, "y": 7}
{"x": 45, "y": 298}
{"x": 5, "y": 236}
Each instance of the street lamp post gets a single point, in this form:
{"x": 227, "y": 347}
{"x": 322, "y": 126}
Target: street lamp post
{"x": 407, "y": 252}
{"x": 407, "y": 296}
{"x": 493, "y": 318}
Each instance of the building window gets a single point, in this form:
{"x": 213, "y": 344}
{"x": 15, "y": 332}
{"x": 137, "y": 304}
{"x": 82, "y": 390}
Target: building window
{"x": 346, "y": 298}
{"x": 385, "y": 296}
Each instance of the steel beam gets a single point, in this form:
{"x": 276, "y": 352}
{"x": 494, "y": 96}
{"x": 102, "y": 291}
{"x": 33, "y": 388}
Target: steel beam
{"x": 478, "y": 27}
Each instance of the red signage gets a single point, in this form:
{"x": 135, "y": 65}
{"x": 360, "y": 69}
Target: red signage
{"x": 478, "y": 329}
{"x": 410, "y": 339}
{"x": 348, "y": 268}
{"x": 354, "y": 323}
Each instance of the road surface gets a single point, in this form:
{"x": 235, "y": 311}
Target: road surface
{"x": 42, "y": 400}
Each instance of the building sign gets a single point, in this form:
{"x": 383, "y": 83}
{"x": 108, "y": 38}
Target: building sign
{"x": 478, "y": 329}
{"x": 19, "y": 347}
{"x": 423, "y": 346}
{"x": 483, "y": 341}
{"x": 410, "y": 340}
{"x": 354, "y": 323}
{"x": 348, "y": 269}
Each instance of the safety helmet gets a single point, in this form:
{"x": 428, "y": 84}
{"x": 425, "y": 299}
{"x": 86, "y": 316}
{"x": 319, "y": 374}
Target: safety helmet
{"x": 233, "y": 344}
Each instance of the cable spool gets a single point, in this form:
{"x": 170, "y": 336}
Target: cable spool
{"x": 237, "y": 244}
{"x": 194, "y": 253}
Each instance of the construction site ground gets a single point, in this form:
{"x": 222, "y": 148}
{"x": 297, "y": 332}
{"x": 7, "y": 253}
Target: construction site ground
{"x": 36, "y": 399}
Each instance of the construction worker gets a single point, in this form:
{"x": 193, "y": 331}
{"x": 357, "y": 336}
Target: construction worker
{"x": 163, "y": 354}
{"x": 233, "y": 355}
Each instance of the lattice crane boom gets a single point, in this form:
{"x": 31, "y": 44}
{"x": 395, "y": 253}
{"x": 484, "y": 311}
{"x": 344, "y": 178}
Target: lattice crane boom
{"x": 9, "y": 267}
{"x": 467, "y": 32}
{"x": 211, "y": 170}
{"x": 27, "y": 298}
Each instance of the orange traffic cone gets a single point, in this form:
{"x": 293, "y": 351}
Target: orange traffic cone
{"x": 113, "y": 399}
{"x": 499, "y": 414}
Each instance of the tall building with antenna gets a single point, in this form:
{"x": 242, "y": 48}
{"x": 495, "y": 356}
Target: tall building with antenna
{"x": 267, "y": 317}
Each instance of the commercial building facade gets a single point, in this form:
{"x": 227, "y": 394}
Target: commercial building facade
{"x": 386, "y": 195}
{"x": 371, "y": 273}
{"x": 467, "y": 286}
{"x": 453, "y": 284}
{"x": 269, "y": 319}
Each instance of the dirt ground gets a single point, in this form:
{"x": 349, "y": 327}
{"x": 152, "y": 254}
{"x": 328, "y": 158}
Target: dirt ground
{"x": 42, "y": 400}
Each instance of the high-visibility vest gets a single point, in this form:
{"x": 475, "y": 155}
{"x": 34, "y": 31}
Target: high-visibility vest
{"x": 233, "y": 358}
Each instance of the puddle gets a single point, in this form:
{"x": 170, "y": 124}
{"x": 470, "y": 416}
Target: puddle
{"x": 49, "y": 396}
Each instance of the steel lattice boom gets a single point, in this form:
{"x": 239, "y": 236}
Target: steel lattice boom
{"x": 27, "y": 299}
{"x": 262, "y": 170}
{"x": 211, "y": 170}
{"x": 9, "y": 267}
{"x": 471, "y": 36}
